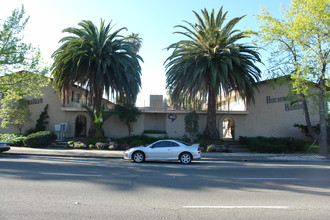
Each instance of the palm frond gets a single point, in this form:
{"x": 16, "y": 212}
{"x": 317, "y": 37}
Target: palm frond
{"x": 211, "y": 58}
{"x": 101, "y": 61}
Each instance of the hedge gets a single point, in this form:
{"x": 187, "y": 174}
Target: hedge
{"x": 275, "y": 145}
{"x": 13, "y": 139}
{"x": 40, "y": 139}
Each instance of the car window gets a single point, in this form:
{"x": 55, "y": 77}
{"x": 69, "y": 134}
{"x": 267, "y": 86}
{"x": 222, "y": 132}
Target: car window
{"x": 165, "y": 144}
{"x": 185, "y": 143}
{"x": 175, "y": 144}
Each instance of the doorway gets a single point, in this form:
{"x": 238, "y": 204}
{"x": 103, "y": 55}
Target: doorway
{"x": 80, "y": 126}
{"x": 228, "y": 128}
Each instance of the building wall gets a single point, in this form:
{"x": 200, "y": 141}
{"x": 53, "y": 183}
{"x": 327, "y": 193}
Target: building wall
{"x": 57, "y": 113}
{"x": 37, "y": 105}
{"x": 114, "y": 128}
{"x": 155, "y": 121}
{"x": 270, "y": 115}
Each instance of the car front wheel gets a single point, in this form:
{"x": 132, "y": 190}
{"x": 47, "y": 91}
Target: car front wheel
{"x": 185, "y": 158}
{"x": 138, "y": 157}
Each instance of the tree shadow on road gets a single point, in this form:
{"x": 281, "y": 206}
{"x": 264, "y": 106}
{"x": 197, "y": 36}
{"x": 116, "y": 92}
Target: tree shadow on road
{"x": 120, "y": 175}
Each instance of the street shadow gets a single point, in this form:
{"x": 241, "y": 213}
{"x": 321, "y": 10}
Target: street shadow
{"x": 122, "y": 175}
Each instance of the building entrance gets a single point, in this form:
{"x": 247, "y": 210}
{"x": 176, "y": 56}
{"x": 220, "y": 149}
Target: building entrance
{"x": 228, "y": 128}
{"x": 80, "y": 126}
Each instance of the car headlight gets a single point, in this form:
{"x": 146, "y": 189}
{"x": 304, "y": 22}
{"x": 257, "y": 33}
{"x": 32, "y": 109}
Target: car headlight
{"x": 127, "y": 152}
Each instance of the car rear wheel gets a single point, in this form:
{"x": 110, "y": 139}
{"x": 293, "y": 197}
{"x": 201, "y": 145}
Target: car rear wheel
{"x": 185, "y": 158}
{"x": 138, "y": 157}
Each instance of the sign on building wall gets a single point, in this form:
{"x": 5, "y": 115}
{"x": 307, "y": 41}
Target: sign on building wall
{"x": 35, "y": 101}
{"x": 296, "y": 105}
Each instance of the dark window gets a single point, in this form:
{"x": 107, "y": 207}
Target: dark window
{"x": 166, "y": 144}
{"x": 75, "y": 97}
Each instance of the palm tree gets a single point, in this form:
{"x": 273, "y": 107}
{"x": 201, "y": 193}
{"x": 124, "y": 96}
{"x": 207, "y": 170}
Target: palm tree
{"x": 136, "y": 40}
{"x": 100, "y": 61}
{"x": 211, "y": 62}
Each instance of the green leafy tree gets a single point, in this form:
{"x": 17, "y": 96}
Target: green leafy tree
{"x": 15, "y": 55}
{"x": 13, "y": 88}
{"x": 300, "y": 47}
{"x": 128, "y": 114}
{"x": 211, "y": 62}
{"x": 21, "y": 84}
{"x": 15, "y": 112}
{"x": 191, "y": 125}
{"x": 19, "y": 65}
{"x": 102, "y": 61}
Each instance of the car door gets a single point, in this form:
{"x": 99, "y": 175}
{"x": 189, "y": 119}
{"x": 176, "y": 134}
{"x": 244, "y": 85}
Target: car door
{"x": 160, "y": 150}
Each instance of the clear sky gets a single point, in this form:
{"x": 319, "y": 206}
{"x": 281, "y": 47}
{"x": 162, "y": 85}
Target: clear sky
{"x": 154, "y": 20}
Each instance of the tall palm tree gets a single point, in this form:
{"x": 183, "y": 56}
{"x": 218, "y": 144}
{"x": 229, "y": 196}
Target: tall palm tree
{"x": 101, "y": 61}
{"x": 211, "y": 62}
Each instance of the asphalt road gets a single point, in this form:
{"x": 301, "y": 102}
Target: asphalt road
{"x": 58, "y": 187}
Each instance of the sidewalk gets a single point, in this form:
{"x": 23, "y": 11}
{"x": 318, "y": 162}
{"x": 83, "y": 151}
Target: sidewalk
{"x": 205, "y": 156}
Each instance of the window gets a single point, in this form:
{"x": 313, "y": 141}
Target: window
{"x": 75, "y": 97}
{"x": 165, "y": 144}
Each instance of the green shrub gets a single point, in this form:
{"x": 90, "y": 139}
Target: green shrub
{"x": 210, "y": 148}
{"x": 137, "y": 142}
{"x": 102, "y": 146}
{"x": 205, "y": 141}
{"x": 243, "y": 139}
{"x": 218, "y": 148}
{"x": 40, "y": 139}
{"x": 93, "y": 141}
{"x": 13, "y": 139}
{"x": 133, "y": 141}
{"x": 313, "y": 149}
{"x": 275, "y": 145}
{"x": 71, "y": 144}
{"x": 77, "y": 144}
{"x": 154, "y": 132}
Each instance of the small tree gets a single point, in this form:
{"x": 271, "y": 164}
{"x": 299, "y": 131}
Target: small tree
{"x": 98, "y": 116}
{"x": 300, "y": 47}
{"x": 128, "y": 114}
{"x": 41, "y": 122}
{"x": 15, "y": 55}
{"x": 15, "y": 84}
{"x": 191, "y": 125}
{"x": 15, "y": 112}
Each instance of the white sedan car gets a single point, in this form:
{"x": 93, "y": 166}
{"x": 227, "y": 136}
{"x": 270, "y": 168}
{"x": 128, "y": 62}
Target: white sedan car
{"x": 164, "y": 150}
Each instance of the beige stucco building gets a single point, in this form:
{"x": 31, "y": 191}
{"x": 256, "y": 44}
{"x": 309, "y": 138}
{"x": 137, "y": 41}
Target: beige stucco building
{"x": 270, "y": 115}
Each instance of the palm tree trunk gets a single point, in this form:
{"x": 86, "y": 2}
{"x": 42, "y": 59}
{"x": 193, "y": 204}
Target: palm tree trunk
{"x": 211, "y": 122}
